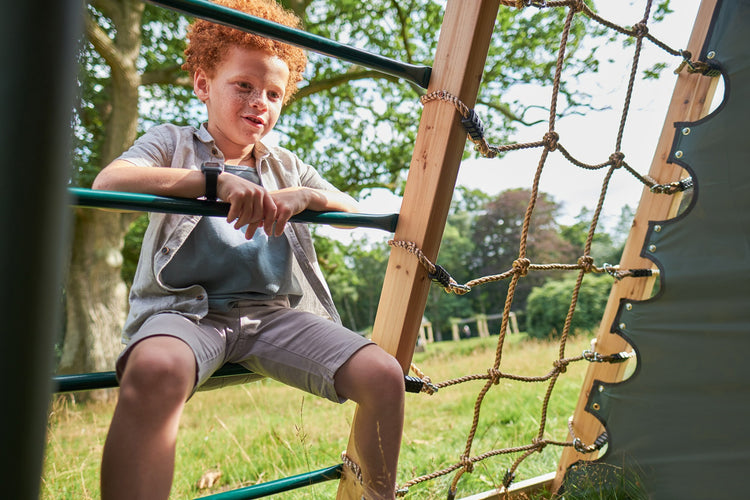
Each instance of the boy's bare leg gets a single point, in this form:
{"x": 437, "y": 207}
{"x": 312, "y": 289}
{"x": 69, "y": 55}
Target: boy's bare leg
{"x": 374, "y": 380}
{"x": 138, "y": 459}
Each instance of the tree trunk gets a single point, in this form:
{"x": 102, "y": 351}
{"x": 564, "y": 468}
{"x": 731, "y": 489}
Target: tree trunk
{"x": 96, "y": 302}
{"x": 96, "y": 295}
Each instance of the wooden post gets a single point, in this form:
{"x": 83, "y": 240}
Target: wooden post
{"x": 458, "y": 67}
{"x": 690, "y": 101}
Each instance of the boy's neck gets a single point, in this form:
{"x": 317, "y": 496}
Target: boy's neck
{"x": 245, "y": 158}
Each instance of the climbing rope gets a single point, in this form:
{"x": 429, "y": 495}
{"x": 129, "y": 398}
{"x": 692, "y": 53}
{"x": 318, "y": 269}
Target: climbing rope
{"x": 522, "y": 265}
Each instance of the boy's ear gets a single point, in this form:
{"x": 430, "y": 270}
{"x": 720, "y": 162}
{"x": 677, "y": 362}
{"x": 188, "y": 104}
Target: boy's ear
{"x": 200, "y": 84}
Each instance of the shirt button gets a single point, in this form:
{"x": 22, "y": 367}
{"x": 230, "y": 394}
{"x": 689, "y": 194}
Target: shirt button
{"x": 165, "y": 250}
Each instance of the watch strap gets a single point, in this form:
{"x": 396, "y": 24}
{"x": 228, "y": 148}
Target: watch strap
{"x": 211, "y": 171}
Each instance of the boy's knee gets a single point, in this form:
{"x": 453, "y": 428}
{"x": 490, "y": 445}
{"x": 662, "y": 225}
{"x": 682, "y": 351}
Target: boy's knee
{"x": 387, "y": 376}
{"x": 157, "y": 374}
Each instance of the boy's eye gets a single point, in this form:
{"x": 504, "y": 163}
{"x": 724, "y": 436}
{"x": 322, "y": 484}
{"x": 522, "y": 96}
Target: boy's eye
{"x": 274, "y": 95}
{"x": 244, "y": 86}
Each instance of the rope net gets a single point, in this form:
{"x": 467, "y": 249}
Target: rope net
{"x": 549, "y": 143}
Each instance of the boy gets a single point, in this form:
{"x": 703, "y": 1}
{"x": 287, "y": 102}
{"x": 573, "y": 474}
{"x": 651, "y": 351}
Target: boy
{"x": 209, "y": 291}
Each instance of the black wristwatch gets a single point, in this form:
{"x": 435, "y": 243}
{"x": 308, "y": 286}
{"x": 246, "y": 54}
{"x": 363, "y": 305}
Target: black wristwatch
{"x": 211, "y": 171}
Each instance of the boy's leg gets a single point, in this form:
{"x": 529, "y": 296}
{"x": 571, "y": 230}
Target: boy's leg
{"x": 138, "y": 459}
{"x": 374, "y": 380}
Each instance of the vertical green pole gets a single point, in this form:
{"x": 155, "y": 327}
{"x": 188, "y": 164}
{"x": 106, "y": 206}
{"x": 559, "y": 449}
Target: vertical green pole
{"x": 37, "y": 57}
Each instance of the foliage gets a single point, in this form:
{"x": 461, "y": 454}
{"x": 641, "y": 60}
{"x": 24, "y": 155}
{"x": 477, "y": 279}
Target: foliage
{"x": 496, "y": 235}
{"x": 355, "y": 274}
{"x": 132, "y": 248}
{"x": 355, "y": 125}
{"x": 548, "y": 306}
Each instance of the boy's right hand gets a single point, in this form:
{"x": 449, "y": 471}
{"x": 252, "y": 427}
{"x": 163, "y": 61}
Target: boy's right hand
{"x": 250, "y": 204}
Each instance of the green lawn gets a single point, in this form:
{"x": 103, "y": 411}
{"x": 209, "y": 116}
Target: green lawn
{"x": 264, "y": 431}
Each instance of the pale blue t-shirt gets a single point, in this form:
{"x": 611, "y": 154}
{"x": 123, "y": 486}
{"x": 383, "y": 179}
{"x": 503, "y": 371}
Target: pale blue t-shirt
{"x": 231, "y": 268}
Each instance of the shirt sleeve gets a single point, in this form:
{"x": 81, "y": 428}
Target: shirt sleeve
{"x": 155, "y": 148}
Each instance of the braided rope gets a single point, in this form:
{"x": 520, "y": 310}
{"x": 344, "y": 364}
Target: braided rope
{"x": 522, "y": 265}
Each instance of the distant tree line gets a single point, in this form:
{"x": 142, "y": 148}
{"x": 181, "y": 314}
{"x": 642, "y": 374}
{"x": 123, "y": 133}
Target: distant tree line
{"x": 482, "y": 237}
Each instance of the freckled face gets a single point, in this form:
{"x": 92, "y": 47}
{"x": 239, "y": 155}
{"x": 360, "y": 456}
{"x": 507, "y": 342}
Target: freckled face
{"x": 244, "y": 97}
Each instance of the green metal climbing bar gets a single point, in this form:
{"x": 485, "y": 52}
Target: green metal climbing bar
{"x": 280, "y": 485}
{"x": 151, "y": 203}
{"x": 236, "y": 19}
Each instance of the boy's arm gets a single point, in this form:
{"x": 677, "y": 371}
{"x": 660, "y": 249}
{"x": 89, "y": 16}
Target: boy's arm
{"x": 121, "y": 175}
{"x": 250, "y": 204}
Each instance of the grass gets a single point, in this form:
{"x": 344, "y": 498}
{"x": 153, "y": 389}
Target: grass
{"x": 263, "y": 431}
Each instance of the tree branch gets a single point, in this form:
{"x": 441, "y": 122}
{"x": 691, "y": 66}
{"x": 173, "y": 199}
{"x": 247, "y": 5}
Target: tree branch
{"x": 103, "y": 45}
{"x": 352, "y": 75}
{"x": 105, "y": 7}
{"x": 505, "y": 110}
{"x": 403, "y": 19}
{"x": 166, "y": 75}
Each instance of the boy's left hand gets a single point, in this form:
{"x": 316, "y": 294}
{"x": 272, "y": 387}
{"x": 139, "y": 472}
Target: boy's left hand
{"x": 289, "y": 202}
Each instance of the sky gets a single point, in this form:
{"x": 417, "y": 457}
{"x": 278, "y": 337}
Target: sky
{"x": 590, "y": 138}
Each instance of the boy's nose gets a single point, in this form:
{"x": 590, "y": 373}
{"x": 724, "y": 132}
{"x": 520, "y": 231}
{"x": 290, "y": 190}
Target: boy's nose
{"x": 258, "y": 100}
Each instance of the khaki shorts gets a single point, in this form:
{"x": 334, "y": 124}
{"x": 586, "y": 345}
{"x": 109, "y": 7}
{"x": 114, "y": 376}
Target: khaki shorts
{"x": 269, "y": 338}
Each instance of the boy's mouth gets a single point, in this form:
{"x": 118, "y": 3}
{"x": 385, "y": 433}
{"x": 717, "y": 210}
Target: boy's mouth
{"x": 255, "y": 119}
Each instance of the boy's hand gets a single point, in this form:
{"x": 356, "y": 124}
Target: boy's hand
{"x": 250, "y": 204}
{"x": 289, "y": 202}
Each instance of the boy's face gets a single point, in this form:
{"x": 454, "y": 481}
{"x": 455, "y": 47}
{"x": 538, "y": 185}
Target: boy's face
{"x": 244, "y": 97}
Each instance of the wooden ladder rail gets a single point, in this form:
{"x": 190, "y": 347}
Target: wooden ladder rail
{"x": 459, "y": 63}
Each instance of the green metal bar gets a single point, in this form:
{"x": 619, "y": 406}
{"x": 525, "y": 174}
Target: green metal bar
{"x": 236, "y": 19}
{"x": 108, "y": 380}
{"x": 280, "y": 485}
{"x": 151, "y": 203}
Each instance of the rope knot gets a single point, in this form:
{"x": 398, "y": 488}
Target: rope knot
{"x": 561, "y": 365}
{"x": 640, "y": 29}
{"x": 521, "y": 266}
{"x": 578, "y": 5}
{"x": 617, "y": 159}
{"x": 586, "y": 263}
{"x": 494, "y": 375}
{"x": 539, "y": 443}
{"x": 520, "y": 4}
{"x": 550, "y": 140}
{"x": 467, "y": 464}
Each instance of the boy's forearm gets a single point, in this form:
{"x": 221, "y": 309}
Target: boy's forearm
{"x": 121, "y": 175}
{"x": 329, "y": 201}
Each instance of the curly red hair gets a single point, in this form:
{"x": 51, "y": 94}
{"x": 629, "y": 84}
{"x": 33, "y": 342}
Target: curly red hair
{"x": 208, "y": 42}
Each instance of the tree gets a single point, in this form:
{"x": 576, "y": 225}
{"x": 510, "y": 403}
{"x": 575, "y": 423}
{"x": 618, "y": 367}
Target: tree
{"x": 548, "y": 306}
{"x": 355, "y": 274}
{"x": 497, "y": 239}
{"x": 358, "y": 127}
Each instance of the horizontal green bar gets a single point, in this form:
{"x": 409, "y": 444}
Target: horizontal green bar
{"x": 151, "y": 203}
{"x": 107, "y": 380}
{"x": 236, "y": 19}
{"x": 280, "y": 485}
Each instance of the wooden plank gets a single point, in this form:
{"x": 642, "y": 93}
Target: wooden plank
{"x": 690, "y": 101}
{"x": 521, "y": 490}
{"x": 459, "y": 63}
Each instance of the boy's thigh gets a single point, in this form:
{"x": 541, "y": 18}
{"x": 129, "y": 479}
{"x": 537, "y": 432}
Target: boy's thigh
{"x": 296, "y": 348}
